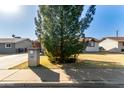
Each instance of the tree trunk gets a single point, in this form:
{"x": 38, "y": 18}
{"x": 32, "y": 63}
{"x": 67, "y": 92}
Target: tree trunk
{"x": 61, "y": 45}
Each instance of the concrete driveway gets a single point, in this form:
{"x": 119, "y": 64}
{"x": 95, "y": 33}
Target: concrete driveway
{"x": 9, "y": 61}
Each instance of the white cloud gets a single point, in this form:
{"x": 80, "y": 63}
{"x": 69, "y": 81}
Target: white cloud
{"x": 9, "y": 9}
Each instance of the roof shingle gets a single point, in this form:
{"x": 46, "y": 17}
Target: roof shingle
{"x": 116, "y": 38}
{"x": 11, "y": 40}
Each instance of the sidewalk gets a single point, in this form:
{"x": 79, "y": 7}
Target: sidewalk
{"x": 106, "y": 76}
{"x": 32, "y": 76}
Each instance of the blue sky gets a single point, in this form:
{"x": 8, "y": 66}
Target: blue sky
{"x": 20, "y": 22}
{"x": 107, "y": 20}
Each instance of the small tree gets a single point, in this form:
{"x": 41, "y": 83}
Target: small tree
{"x": 59, "y": 29}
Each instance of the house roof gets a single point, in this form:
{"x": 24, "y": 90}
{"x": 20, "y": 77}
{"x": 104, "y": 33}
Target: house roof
{"x": 89, "y": 39}
{"x": 115, "y": 38}
{"x": 12, "y": 40}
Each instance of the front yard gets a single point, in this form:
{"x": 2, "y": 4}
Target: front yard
{"x": 84, "y": 61}
{"x": 107, "y": 57}
{"x": 90, "y": 68}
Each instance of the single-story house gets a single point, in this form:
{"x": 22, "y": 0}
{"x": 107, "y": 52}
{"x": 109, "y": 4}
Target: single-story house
{"x": 36, "y": 44}
{"x": 14, "y": 45}
{"x": 92, "y": 44}
{"x": 112, "y": 44}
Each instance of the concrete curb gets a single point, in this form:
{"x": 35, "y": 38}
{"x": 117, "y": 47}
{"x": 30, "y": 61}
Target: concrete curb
{"x": 60, "y": 85}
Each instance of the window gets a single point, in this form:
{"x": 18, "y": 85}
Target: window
{"x": 91, "y": 43}
{"x": 122, "y": 50}
{"x": 122, "y": 43}
{"x": 8, "y": 45}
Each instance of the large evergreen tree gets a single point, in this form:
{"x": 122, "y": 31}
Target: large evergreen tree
{"x": 59, "y": 29}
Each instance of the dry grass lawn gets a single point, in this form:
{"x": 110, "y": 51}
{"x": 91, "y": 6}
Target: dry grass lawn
{"x": 84, "y": 61}
{"x": 117, "y": 58}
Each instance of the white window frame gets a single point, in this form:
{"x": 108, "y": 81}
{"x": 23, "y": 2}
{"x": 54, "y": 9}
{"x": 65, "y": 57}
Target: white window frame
{"x": 7, "y": 46}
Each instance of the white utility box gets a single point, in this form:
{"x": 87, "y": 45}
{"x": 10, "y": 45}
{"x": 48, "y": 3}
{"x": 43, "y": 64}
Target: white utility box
{"x": 33, "y": 57}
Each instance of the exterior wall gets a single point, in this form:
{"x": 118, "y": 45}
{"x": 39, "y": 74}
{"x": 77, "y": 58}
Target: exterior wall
{"x": 4, "y": 50}
{"x": 120, "y": 46}
{"x": 109, "y": 45}
{"x": 93, "y": 49}
{"x": 23, "y": 44}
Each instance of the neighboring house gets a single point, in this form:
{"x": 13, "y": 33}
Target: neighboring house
{"x": 92, "y": 44}
{"x": 112, "y": 44}
{"x": 36, "y": 44}
{"x": 14, "y": 45}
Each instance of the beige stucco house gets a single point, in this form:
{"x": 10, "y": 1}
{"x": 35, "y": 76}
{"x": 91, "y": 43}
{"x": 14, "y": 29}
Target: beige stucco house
{"x": 112, "y": 44}
{"x": 92, "y": 44}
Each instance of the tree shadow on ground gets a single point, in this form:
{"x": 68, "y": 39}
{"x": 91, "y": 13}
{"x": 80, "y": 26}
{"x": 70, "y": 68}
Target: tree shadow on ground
{"x": 82, "y": 72}
{"x": 46, "y": 74}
